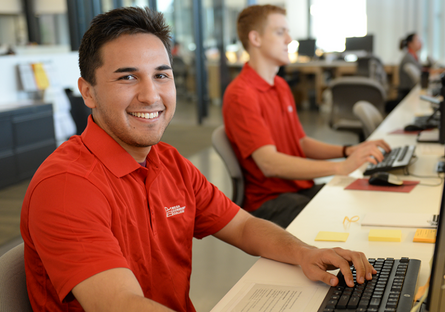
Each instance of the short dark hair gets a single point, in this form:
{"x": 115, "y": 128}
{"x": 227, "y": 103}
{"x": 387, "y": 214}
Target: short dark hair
{"x": 404, "y": 42}
{"x": 108, "y": 26}
{"x": 254, "y": 17}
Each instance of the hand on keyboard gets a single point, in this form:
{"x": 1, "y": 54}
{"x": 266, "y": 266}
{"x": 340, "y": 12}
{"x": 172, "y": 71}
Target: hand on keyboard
{"x": 362, "y": 153}
{"x": 317, "y": 261}
{"x": 376, "y": 143}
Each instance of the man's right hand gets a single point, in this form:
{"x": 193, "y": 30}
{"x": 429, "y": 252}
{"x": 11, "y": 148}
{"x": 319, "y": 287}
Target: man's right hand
{"x": 369, "y": 152}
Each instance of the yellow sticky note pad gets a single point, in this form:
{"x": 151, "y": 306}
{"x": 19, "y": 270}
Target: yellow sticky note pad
{"x": 331, "y": 236}
{"x": 385, "y": 235}
{"x": 425, "y": 236}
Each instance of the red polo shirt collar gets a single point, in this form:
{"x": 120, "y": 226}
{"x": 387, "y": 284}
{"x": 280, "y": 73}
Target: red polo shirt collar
{"x": 256, "y": 79}
{"x": 110, "y": 153}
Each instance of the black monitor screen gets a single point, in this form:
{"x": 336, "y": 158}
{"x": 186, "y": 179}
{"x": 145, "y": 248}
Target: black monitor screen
{"x": 306, "y": 47}
{"x": 360, "y": 43}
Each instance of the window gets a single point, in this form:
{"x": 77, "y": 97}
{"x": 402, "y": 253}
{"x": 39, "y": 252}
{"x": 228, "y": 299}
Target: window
{"x": 334, "y": 20}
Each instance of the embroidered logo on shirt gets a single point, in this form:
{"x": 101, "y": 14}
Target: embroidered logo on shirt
{"x": 290, "y": 109}
{"x": 172, "y": 211}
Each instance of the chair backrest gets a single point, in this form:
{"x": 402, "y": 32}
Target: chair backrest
{"x": 79, "y": 111}
{"x": 413, "y": 72}
{"x": 13, "y": 292}
{"x": 346, "y": 91}
{"x": 222, "y": 146}
{"x": 372, "y": 67}
{"x": 369, "y": 116}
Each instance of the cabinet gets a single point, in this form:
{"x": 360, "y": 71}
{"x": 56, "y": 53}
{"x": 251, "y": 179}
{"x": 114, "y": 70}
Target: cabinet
{"x": 26, "y": 139}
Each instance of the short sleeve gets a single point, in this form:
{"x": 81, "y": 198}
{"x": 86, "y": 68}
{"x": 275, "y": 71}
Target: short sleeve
{"x": 72, "y": 233}
{"x": 213, "y": 209}
{"x": 244, "y": 123}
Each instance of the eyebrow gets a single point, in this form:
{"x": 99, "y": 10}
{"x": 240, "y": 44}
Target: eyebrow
{"x": 133, "y": 69}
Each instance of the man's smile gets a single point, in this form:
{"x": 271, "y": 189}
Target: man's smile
{"x": 146, "y": 115}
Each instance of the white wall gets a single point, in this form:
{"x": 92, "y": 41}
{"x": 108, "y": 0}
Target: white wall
{"x": 297, "y": 17}
{"x": 10, "y": 6}
{"x": 50, "y": 6}
{"x": 390, "y": 21}
{"x": 65, "y": 67}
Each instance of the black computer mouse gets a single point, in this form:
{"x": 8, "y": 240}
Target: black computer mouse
{"x": 384, "y": 179}
{"x": 413, "y": 127}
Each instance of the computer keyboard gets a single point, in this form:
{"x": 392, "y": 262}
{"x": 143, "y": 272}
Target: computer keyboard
{"x": 390, "y": 290}
{"x": 397, "y": 158}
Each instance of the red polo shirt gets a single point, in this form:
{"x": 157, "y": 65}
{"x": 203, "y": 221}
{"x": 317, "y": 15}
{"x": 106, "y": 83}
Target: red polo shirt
{"x": 91, "y": 207}
{"x": 258, "y": 114}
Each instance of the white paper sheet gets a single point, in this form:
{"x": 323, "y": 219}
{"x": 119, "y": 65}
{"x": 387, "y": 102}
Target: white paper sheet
{"x": 273, "y": 298}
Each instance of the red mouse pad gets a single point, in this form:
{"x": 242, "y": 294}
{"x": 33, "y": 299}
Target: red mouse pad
{"x": 363, "y": 185}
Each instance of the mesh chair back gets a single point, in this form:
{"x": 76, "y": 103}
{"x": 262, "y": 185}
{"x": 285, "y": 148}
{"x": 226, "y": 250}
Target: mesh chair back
{"x": 346, "y": 91}
{"x": 372, "y": 67}
{"x": 222, "y": 146}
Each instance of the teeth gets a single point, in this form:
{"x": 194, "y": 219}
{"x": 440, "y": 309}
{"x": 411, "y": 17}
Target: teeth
{"x": 146, "y": 115}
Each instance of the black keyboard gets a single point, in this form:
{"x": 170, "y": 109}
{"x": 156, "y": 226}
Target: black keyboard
{"x": 390, "y": 290}
{"x": 397, "y": 158}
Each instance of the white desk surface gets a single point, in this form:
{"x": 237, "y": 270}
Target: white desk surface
{"x": 328, "y": 209}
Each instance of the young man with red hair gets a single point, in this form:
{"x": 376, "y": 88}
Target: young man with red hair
{"x": 278, "y": 160}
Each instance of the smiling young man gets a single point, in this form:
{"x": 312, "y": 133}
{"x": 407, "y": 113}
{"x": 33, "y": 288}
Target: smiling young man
{"x": 109, "y": 218}
{"x": 278, "y": 160}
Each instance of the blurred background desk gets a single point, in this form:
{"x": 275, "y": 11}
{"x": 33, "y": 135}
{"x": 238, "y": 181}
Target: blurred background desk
{"x": 313, "y": 78}
{"x": 330, "y": 206}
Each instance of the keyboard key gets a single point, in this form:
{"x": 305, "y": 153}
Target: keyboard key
{"x": 343, "y": 302}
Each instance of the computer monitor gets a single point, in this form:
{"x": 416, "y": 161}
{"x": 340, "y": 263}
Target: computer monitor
{"x": 436, "y": 294}
{"x": 360, "y": 44}
{"x": 306, "y": 47}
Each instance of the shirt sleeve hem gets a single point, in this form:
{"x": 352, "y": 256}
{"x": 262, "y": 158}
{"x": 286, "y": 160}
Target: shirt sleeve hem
{"x": 78, "y": 277}
{"x": 223, "y": 221}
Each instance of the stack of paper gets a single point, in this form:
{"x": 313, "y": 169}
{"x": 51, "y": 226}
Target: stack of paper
{"x": 414, "y": 220}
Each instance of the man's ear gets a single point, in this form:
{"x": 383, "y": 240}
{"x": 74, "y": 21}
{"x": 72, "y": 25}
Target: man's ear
{"x": 86, "y": 89}
{"x": 254, "y": 38}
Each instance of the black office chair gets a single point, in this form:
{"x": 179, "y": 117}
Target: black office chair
{"x": 371, "y": 66}
{"x": 79, "y": 111}
{"x": 180, "y": 71}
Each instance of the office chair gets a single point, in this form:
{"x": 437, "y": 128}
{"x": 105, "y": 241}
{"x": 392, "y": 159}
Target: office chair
{"x": 368, "y": 115}
{"x": 413, "y": 72}
{"x": 180, "y": 71}
{"x": 222, "y": 146}
{"x": 346, "y": 91}
{"x": 79, "y": 111}
{"x": 371, "y": 66}
{"x": 13, "y": 292}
